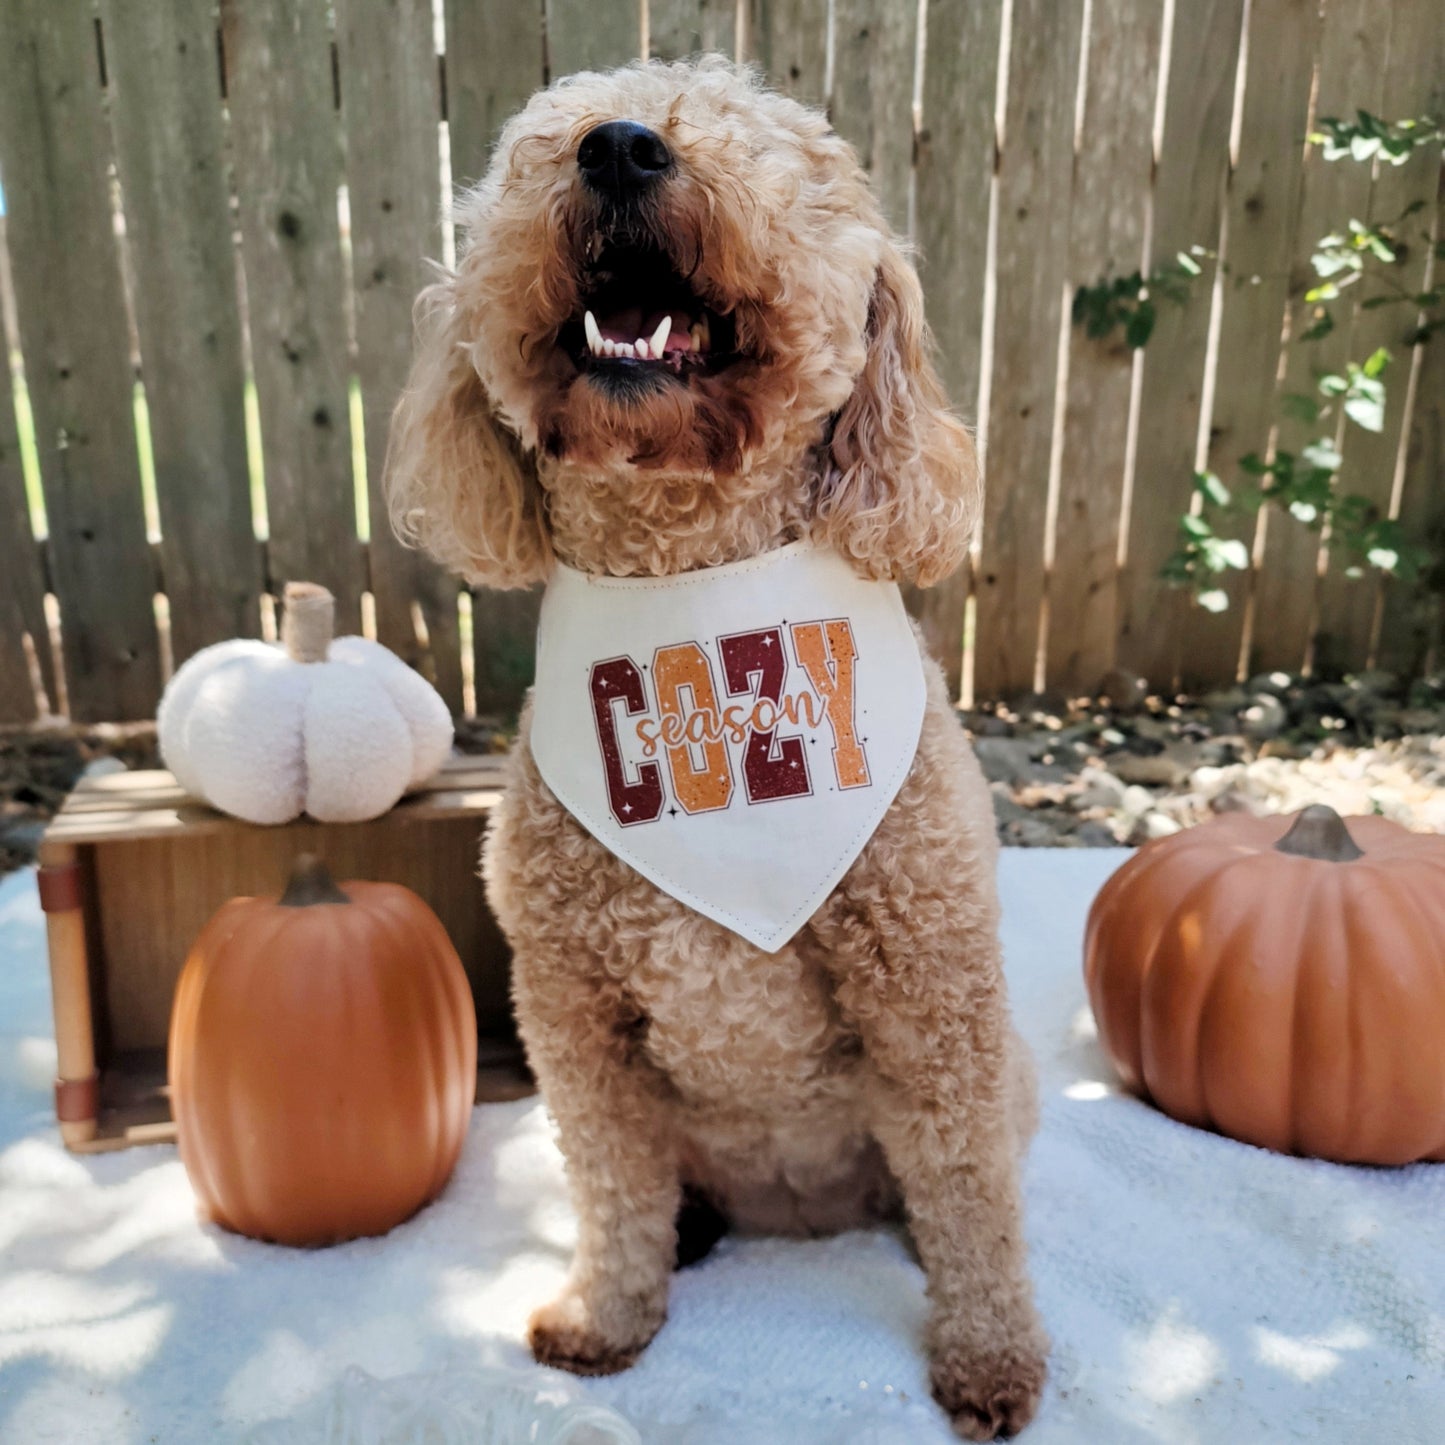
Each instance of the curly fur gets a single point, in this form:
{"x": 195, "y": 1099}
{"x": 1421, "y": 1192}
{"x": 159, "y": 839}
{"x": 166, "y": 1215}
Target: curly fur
{"x": 871, "y": 1062}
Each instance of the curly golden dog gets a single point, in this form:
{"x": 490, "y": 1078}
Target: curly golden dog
{"x": 680, "y": 334}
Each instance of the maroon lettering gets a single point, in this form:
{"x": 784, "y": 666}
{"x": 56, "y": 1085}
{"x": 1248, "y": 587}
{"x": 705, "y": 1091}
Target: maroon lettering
{"x": 613, "y": 681}
{"x": 754, "y": 664}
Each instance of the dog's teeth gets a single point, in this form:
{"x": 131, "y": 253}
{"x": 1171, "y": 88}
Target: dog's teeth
{"x": 659, "y": 337}
{"x": 641, "y": 348}
{"x": 609, "y": 348}
{"x": 696, "y": 334}
{"x": 594, "y": 334}
{"x": 624, "y": 348}
{"x": 705, "y": 334}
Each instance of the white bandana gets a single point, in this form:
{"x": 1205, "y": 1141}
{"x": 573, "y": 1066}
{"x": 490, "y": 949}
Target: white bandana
{"x": 734, "y": 734}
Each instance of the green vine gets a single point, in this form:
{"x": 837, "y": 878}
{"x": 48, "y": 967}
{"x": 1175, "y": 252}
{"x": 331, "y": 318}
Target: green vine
{"x": 1306, "y": 486}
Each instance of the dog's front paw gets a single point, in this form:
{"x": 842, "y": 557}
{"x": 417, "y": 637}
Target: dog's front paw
{"x": 989, "y": 1397}
{"x": 573, "y": 1334}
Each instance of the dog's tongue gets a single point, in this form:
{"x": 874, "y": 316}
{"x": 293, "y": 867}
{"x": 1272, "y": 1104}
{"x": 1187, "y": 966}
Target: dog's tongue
{"x": 630, "y": 324}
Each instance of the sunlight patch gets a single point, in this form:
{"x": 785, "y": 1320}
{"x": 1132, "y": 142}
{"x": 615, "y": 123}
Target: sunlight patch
{"x": 1173, "y": 1360}
{"x": 1309, "y": 1357}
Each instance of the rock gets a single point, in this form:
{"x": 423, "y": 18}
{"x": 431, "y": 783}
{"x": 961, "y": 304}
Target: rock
{"x": 1050, "y": 703}
{"x": 1100, "y": 789}
{"x": 1377, "y": 682}
{"x": 1136, "y": 802}
{"x": 987, "y": 725}
{"x": 22, "y": 835}
{"x": 1005, "y": 810}
{"x": 1265, "y": 717}
{"x": 1155, "y": 825}
{"x": 1125, "y": 690}
{"x": 103, "y": 768}
{"x": 1166, "y": 769}
{"x": 1282, "y": 748}
{"x": 1096, "y": 835}
{"x": 1269, "y": 684}
{"x": 1034, "y": 832}
{"x": 1229, "y": 700}
{"x": 1006, "y": 760}
{"x": 1155, "y": 729}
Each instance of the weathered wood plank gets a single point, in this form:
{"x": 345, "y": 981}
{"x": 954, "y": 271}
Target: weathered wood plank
{"x": 22, "y": 583}
{"x": 956, "y": 149}
{"x": 1107, "y": 222}
{"x": 1352, "y": 62}
{"x": 494, "y": 61}
{"x": 1412, "y": 631}
{"x": 54, "y": 151}
{"x": 871, "y": 100}
{"x": 1412, "y": 634}
{"x": 286, "y": 144}
{"x": 1263, "y": 209}
{"x": 679, "y": 28}
{"x": 391, "y": 106}
{"x": 592, "y": 34}
{"x": 1035, "y": 175}
{"x": 1188, "y": 192}
{"x": 166, "y": 112}
{"x": 1347, "y": 606}
{"x": 789, "y": 39}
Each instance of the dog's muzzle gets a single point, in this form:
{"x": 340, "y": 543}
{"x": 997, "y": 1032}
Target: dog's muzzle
{"x": 621, "y": 159}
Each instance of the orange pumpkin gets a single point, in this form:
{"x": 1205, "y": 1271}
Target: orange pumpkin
{"x": 323, "y": 1060}
{"x": 1281, "y": 980}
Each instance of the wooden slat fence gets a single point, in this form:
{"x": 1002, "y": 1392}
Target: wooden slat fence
{"x": 248, "y": 192}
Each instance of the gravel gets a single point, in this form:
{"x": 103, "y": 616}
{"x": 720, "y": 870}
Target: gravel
{"x": 1090, "y": 773}
{"x": 1095, "y": 773}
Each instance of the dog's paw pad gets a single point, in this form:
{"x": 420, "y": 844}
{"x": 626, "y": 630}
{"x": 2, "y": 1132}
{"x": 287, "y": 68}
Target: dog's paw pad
{"x": 561, "y": 1335}
{"x": 989, "y": 1400}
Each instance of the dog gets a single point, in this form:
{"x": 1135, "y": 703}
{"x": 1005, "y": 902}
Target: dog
{"x": 867, "y": 1068}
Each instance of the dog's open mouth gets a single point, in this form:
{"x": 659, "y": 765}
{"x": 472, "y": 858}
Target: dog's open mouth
{"x": 641, "y": 318}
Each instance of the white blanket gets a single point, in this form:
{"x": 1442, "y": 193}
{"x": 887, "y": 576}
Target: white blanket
{"x": 1197, "y": 1290}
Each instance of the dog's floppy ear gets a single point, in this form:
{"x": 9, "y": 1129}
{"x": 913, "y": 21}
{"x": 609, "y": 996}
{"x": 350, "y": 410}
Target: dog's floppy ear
{"x": 458, "y": 481}
{"x": 900, "y": 495}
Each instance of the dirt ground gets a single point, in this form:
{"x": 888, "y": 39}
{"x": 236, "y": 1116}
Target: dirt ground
{"x": 1063, "y": 773}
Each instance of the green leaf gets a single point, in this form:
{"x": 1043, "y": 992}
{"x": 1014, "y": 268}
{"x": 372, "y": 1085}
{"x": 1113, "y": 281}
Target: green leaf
{"x": 1215, "y": 600}
{"x": 1208, "y": 485}
{"x": 1303, "y": 512}
{"x": 1196, "y": 526}
{"x": 1232, "y": 553}
{"x": 1140, "y": 326}
{"x": 1322, "y": 327}
{"x": 1376, "y": 363}
{"x": 1322, "y": 454}
{"x": 1366, "y": 411}
{"x": 1255, "y": 465}
{"x": 1385, "y": 558}
{"x": 1188, "y": 264}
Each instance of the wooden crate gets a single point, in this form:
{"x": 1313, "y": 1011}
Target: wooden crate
{"x": 132, "y": 867}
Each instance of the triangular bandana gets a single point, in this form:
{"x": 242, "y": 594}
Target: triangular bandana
{"x": 734, "y": 734}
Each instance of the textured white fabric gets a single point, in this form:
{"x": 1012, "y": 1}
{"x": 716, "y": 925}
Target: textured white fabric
{"x": 734, "y": 734}
{"x": 266, "y": 738}
{"x": 1198, "y": 1291}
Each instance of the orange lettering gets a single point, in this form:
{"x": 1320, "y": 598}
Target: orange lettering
{"x": 827, "y": 653}
{"x": 707, "y": 787}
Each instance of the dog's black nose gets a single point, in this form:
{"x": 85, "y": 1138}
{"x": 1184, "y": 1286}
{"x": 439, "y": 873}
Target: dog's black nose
{"x": 621, "y": 158}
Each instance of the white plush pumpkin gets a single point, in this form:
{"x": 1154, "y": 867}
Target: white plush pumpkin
{"x": 337, "y": 729}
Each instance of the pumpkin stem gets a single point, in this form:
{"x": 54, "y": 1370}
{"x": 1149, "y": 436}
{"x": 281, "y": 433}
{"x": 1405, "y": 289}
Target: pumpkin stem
{"x": 1320, "y": 832}
{"x": 311, "y": 883}
{"x": 310, "y": 615}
